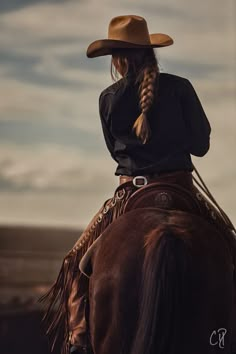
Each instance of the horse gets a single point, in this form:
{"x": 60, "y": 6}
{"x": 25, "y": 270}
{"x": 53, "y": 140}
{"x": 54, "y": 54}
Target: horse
{"x": 161, "y": 282}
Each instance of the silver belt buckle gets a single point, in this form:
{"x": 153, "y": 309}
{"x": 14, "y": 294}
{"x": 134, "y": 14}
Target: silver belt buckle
{"x": 143, "y": 178}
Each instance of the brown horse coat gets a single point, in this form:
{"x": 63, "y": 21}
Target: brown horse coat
{"x": 162, "y": 282}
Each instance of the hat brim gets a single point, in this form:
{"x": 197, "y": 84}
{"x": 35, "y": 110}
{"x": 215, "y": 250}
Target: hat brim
{"x": 104, "y": 46}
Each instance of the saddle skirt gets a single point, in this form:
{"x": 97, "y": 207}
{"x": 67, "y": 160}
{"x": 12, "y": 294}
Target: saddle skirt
{"x": 165, "y": 196}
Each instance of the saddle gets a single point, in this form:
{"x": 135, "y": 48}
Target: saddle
{"x": 159, "y": 195}
{"x": 172, "y": 196}
{"x": 165, "y": 196}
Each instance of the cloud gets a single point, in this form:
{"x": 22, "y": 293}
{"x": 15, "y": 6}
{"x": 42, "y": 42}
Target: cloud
{"x": 28, "y": 102}
{"x": 29, "y": 133}
{"x": 67, "y": 71}
{"x": 171, "y": 11}
{"x": 53, "y": 168}
{"x": 13, "y": 5}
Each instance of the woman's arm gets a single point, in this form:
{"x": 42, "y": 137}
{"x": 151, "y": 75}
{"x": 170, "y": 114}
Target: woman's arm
{"x": 104, "y": 112}
{"x": 197, "y": 124}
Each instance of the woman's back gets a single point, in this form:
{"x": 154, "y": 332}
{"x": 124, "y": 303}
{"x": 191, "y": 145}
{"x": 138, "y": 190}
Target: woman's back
{"x": 178, "y": 125}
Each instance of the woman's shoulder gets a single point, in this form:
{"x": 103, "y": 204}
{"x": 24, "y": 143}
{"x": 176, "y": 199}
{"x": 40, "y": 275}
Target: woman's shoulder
{"x": 112, "y": 94}
{"x": 168, "y": 77}
{"x": 180, "y": 84}
{"x": 113, "y": 89}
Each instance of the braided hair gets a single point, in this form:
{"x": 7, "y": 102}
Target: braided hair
{"x": 144, "y": 64}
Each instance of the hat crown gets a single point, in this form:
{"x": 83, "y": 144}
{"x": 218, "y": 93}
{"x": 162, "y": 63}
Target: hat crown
{"x": 129, "y": 28}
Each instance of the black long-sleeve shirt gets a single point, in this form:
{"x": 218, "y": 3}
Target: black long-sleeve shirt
{"x": 179, "y": 126}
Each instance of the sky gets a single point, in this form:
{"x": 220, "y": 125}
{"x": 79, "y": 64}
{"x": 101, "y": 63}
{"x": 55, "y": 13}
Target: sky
{"x": 54, "y": 165}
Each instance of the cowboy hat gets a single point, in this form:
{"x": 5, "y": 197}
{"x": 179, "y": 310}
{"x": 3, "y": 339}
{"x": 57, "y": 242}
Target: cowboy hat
{"x": 128, "y": 31}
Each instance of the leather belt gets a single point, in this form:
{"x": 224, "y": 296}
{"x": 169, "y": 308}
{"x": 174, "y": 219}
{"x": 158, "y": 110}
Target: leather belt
{"x": 140, "y": 181}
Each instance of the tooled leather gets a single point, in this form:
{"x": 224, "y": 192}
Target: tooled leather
{"x": 175, "y": 192}
{"x": 165, "y": 196}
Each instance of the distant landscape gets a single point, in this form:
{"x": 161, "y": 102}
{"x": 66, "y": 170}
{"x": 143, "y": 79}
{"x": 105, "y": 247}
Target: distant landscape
{"x": 30, "y": 258}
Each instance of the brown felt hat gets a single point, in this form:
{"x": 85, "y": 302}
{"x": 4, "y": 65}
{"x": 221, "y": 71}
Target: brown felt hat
{"x": 128, "y": 31}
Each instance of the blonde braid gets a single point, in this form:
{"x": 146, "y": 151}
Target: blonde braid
{"x": 147, "y": 94}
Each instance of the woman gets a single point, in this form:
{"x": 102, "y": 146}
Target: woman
{"x": 152, "y": 122}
